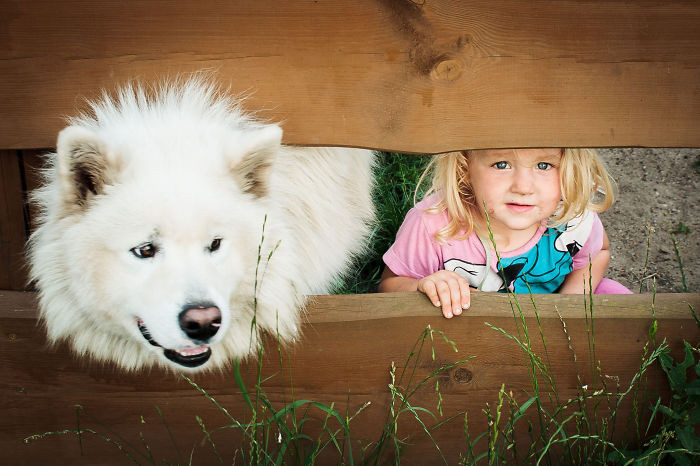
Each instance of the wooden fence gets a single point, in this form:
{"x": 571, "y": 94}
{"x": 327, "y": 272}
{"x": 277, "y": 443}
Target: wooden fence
{"x": 410, "y": 76}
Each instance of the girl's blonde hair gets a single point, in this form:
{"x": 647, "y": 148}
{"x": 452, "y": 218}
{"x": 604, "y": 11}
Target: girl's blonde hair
{"x": 584, "y": 179}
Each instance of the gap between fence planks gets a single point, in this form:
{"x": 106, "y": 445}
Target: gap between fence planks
{"x": 344, "y": 357}
{"x": 19, "y": 176}
{"x": 399, "y": 75}
{"x": 12, "y": 223}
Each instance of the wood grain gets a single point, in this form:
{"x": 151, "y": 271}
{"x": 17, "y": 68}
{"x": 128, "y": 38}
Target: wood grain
{"x": 344, "y": 357}
{"x": 389, "y": 74}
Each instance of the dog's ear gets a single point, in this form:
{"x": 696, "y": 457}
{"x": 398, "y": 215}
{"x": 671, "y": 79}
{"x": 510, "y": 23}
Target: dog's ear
{"x": 84, "y": 167}
{"x": 259, "y": 149}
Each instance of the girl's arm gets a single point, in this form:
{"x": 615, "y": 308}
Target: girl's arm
{"x": 577, "y": 281}
{"x": 445, "y": 289}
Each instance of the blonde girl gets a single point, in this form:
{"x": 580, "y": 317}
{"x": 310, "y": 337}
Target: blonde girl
{"x": 523, "y": 220}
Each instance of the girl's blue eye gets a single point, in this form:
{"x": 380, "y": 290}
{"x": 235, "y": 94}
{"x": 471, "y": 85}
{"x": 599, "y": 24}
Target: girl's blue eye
{"x": 501, "y": 165}
{"x": 544, "y": 166}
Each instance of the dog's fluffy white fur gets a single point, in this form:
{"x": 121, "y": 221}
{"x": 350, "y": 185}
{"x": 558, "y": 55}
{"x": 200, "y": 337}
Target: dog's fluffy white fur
{"x": 171, "y": 198}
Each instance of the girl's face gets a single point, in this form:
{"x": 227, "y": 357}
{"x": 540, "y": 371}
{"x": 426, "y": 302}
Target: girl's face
{"x": 520, "y": 187}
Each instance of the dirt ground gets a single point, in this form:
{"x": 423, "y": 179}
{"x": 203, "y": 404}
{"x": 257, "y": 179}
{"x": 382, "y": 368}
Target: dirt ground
{"x": 658, "y": 190}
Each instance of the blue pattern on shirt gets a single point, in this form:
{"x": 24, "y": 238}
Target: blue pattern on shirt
{"x": 543, "y": 267}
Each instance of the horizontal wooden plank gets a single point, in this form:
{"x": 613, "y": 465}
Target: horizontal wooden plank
{"x": 391, "y": 74}
{"x": 344, "y": 357}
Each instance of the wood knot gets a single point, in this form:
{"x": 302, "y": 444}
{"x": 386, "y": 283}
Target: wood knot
{"x": 447, "y": 70}
{"x": 462, "y": 375}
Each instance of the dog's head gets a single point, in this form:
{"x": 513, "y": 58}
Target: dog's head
{"x": 152, "y": 231}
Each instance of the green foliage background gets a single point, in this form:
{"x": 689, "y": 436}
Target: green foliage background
{"x": 396, "y": 176}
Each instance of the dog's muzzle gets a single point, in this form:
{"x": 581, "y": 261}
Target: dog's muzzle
{"x": 200, "y": 322}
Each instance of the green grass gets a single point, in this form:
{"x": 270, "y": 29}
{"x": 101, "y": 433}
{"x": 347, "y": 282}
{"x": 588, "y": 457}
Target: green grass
{"x": 681, "y": 229}
{"x": 397, "y": 175}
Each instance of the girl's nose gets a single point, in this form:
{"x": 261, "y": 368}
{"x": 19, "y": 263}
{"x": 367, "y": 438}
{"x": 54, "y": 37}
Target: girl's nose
{"x": 523, "y": 181}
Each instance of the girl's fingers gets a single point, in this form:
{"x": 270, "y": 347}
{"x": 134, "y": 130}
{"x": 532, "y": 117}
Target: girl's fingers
{"x": 450, "y": 293}
{"x": 445, "y": 295}
{"x": 465, "y": 293}
{"x": 430, "y": 290}
{"x": 456, "y": 296}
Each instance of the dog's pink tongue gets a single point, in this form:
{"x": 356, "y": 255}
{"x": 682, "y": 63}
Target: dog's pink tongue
{"x": 193, "y": 351}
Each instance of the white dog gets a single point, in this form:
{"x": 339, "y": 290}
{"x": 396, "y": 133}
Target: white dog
{"x": 175, "y": 229}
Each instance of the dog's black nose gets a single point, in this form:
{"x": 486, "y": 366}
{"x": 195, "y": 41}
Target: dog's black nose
{"x": 200, "y": 321}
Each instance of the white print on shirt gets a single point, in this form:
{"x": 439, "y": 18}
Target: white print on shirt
{"x": 483, "y": 276}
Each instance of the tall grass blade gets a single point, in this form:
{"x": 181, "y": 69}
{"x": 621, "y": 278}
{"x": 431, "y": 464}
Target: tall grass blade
{"x": 170, "y": 434}
{"x": 207, "y": 435}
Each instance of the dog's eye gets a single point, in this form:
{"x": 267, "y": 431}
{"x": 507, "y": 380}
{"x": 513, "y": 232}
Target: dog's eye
{"x": 145, "y": 251}
{"x": 215, "y": 244}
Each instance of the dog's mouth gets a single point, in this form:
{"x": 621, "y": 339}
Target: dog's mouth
{"x": 187, "y": 357}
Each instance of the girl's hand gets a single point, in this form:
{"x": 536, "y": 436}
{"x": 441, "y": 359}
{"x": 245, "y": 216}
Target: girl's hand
{"x": 448, "y": 290}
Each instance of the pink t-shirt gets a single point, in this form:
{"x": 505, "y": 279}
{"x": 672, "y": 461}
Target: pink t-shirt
{"x": 543, "y": 262}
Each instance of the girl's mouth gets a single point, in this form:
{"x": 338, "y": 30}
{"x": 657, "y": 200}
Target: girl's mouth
{"x": 519, "y": 208}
